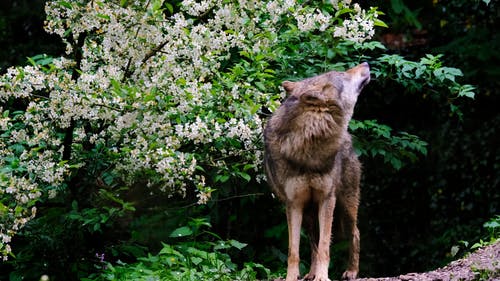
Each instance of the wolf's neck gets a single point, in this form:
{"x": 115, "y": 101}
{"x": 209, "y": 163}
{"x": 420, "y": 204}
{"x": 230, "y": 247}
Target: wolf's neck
{"x": 313, "y": 140}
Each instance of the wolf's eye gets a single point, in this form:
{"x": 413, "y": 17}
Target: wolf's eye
{"x": 312, "y": 98}
{"x": 327, "y": 87}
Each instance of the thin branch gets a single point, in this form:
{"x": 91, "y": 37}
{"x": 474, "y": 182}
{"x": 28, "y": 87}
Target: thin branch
{"x": 239, "y": 196}
{"x": 154, "y": 51}
{"x": 219, "y": 200}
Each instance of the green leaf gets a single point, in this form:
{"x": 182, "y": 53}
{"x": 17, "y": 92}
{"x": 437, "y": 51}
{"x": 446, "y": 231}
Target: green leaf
{"x": 330, "y": 53}
{"x": 380, "y": 23}
{"x": 248, "y": 167}
{"x": 3, "y": 209}
{"x": 170, "y": 8}
{"x": 407, "y": 69}
{"x": 222, "y": 245}
{"x": 468, "y": 94}
{"x": 396, "y": 163}
{"x": 466, "y": 91}
{"x": 103, "y": 16}
{"x": 454, "y": 250}
{"x": 40, "y": 60}
{"x": 181, "y": 232}
{"x": 18, "y": 210}
{"x": 237, "y": 244}
{"x": 397, "y": 6}
{"x": 260, "y": 86}
{"x": 196, "y": 260}
{"x": 342, "y": 11}
{"x": 245, "y": 176}
{"x": 65, "y": 4}
{"x": 222, "y": 178}
{"x": 74, "y": 205}
{"x": 420, "y": 70}
{"x": 492, "y": 224}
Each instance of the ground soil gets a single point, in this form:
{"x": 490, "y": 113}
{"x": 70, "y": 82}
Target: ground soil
{"x": 482, "y": 265}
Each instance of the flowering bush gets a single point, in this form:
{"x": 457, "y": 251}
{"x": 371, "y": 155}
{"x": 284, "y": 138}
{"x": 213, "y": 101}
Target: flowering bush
{"x": 166, "y": 94}
{"x": 169, "y": 93}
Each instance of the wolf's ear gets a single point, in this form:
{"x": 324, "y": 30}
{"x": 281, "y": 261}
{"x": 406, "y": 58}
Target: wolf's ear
{"x": 289, "y": 86}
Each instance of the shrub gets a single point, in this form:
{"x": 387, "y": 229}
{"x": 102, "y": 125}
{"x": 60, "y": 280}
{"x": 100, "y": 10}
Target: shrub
{"x": 188, "y": 260}
{"x": 171, "y": 95}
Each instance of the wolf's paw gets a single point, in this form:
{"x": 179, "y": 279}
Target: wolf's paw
{"x": 349, "y": 275}
{"x": 309, "y": 277}
{"x": 313, "y": 277}
{"x": 292, "y": 277}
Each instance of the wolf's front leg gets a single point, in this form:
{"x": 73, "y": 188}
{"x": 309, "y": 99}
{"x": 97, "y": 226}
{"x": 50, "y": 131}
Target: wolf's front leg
{"x": 294, "y": 217}
{"x": 325, "y": 219}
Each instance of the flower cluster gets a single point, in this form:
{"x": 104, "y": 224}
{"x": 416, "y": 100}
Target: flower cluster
{"x": 158, "y": 88}
{"x": 310, "y": 21}
{"x": 358, "y": 28}
{"x": 339, "y": 4}
{"x": 21, "y": 193}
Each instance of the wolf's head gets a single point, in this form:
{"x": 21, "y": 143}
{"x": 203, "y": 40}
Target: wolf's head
{"x": 333, "y": 92}
{"x": 311, "y": 125}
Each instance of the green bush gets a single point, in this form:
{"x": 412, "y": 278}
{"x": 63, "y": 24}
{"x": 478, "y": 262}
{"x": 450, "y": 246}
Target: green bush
{"x": 189, "y": 260}
{"x": 156, "y": 101}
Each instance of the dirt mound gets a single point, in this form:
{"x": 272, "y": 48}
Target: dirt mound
{"x": 484, "y": 264}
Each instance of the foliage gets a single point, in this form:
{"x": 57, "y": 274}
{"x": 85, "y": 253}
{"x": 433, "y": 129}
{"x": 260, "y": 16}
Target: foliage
{"x": 198, "y": 260}
{"x": 426, "y": 75}
{"x": 448, "y": 194}
{"x": 468, "y": 39}
{"x": 22, "y": 34}
{"x": 373, "y": 139}
{"x": 50, "y": 240}
{"x": 493, "y": 227}
{"x": 493, "y": 234}
{"x": 401, "y": 14}
{"x": 165, "y": 99}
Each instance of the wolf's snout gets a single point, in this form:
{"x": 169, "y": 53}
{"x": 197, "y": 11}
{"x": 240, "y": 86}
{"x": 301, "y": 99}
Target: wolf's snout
{"x": 361, "y": 73}
{"x": 362, "y": 69}
{"x": 365, "y": 69}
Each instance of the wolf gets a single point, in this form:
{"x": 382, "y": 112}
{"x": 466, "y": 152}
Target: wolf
{"x": 311, "y": 165}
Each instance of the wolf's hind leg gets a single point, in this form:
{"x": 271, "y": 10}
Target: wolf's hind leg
{"x": 349, "y": 222}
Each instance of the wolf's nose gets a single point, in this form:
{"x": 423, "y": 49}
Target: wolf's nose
{"x": 365, "y": 64}
{"x": 363, "y": 69}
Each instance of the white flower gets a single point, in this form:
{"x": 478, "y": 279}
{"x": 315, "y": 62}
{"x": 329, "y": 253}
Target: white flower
{"x": 149, "y": 89}
{"x": 52, "y": 193}
{"x": 358, "y": 28}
